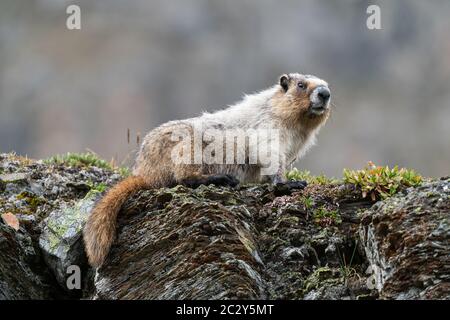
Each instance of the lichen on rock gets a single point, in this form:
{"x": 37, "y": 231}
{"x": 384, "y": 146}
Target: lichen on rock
{"x": 407, "y": 242}
{"x": 31, "y": 191}
{"x": 251, "y": 242}
{"x": 61, "y": 237}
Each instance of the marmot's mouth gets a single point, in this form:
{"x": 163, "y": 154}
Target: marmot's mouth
{"x": 318, "y": 108}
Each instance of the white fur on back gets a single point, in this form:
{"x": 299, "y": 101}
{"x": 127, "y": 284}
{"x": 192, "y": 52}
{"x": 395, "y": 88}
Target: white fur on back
{"x": 254, "y": 112}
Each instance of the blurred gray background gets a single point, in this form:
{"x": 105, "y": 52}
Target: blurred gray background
{"x": 136, "y": 64}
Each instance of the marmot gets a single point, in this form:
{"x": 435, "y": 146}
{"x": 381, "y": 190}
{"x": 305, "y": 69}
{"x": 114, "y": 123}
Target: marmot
{"x": 297, "y": 106}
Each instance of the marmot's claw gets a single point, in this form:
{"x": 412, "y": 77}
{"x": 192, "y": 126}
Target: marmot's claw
{"x": 301, "y": 184}
{"x": 223, "y": 180}
{"x": 285, "y": 188}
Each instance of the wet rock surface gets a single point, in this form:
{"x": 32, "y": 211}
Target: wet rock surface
{"x": 251, "y": 242}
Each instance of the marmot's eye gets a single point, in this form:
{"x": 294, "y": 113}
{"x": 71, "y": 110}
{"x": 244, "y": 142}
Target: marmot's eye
{"x": 302, "y": 85}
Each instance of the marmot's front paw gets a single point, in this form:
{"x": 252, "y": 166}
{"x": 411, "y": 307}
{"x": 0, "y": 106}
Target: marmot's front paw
{"x": 286, "y": 188}
{"x": 296, "y": 184}
{"x": 223, "y": 180}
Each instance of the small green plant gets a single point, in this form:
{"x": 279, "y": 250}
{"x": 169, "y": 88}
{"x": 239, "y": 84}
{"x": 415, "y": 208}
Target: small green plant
{"x": 324, "y": 217}
{"x": 381, "y": 182}
{"x": 308, "y": 202}
{"x": 87, "y": 159}
{"x": 305, "y": 175}
{"x": 347, "y": 271}
{"x": 124, "y": 171}
{"x": 99, "y": 187}
{"x": 321, "y": 277}
{"x": 96, "y": 188}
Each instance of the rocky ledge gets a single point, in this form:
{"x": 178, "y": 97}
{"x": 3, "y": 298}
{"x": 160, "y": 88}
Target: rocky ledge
{"x": 251, "y": 242}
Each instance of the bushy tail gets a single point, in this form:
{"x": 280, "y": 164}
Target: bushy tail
{"x": 100, "y": 229}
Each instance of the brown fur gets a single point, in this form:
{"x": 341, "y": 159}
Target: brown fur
{"x": 292, "y": 107}
{"x": 155, "y": 171}
{"x": 100, "y": 229}
{"x": 155, "y": 167}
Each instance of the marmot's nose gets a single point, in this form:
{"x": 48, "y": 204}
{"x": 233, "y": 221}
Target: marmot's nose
{"x": 323, "y": 93}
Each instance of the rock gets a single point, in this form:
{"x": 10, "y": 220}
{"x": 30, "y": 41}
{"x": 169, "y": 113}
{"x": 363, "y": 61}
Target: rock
{"x": 212, "y": 243}
{"x": 26, "y": 191}
{"x": 189, "y": 245}
{"x": 14, "y": 177}
{"x": 324, "y": 283}
{"x": 250, "y": 242}
{"x": 192, "y": 244}
{"x": 61, "y": 238}
{"x": 336, "y": 291}
{"x": 22, "y": 274}
{"x": 407, "y": 242}
{"x": 295, "y": 247}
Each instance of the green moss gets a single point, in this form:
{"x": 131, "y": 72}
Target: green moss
{"x": 85, "y": 160}
{"x": 124, "y": 171}
{"x": 72, "y": 217}
{"x": 305, "y": 175}
{"x": 324, "y": 217}
{"x": 96, "y": 190}
{"x": 97, "y": 187}
{"x": 32, "y": 200}
{"x": 321, "y": 277}
{"x": 381, "y": 182}
{"x": 307, "y": 201}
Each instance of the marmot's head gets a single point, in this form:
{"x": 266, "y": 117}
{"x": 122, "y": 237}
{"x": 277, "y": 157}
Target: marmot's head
{"x": 303, "y": 98}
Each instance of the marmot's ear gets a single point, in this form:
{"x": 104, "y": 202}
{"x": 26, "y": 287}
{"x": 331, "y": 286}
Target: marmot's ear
{"x": 284, "y": 82}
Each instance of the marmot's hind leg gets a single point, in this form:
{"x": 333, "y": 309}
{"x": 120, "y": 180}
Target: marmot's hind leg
{"x": 193, "y": 176}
